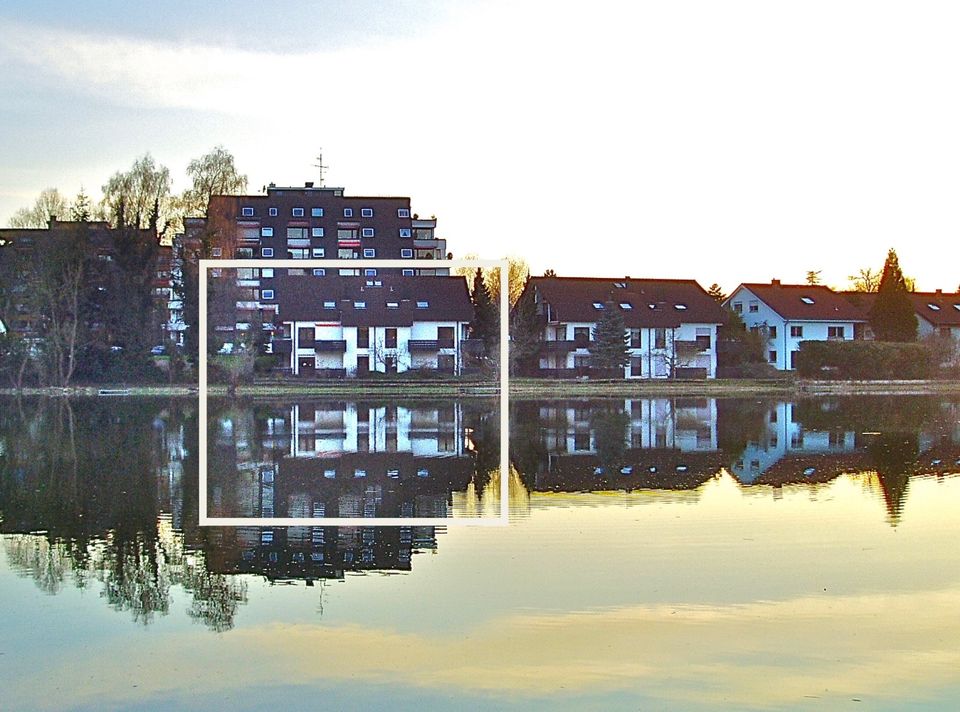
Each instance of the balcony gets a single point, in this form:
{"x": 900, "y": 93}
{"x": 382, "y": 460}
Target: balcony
{"x": 562, "y": 346}
{"x": 328, "y": 346}
{"x": 282, "y": 346}
{"x": 429, "y": 344}
{"x": 701, "y": 343}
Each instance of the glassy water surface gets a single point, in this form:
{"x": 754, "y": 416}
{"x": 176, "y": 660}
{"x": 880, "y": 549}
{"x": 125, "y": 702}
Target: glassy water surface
{"x": 661, "y": 554}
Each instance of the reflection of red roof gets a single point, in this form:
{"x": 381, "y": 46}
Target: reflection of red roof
{"x": 804, "y": 302}
{"x": 642, "y": 302}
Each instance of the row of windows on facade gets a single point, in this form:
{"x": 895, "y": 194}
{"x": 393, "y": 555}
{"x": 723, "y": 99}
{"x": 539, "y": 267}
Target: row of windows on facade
{"x": 303, "y": 253}
{"x": 300, "y": 233}
{"x": 249, "y": 212}
{"x": 357, "y": 304}
{"x": 627, "y": 306}
{"x": 319, "y": 272}
{"x": 583, "y": 334}
{"x": 796, "y": 332}
{"x": 445, "y": 334}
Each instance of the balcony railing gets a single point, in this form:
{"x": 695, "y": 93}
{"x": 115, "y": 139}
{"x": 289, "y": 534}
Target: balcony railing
{"x": 330, "y": 346}
{"x": 562, "y": 346}
{"x": 282, "y": 346}
{"x": 423, "y": 345}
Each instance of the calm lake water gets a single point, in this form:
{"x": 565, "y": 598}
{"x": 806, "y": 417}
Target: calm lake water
{"x": 715, "y": 554}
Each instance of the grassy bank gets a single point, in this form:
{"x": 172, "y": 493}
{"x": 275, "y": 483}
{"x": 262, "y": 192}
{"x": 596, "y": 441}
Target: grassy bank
{"x": 525, "y": 388}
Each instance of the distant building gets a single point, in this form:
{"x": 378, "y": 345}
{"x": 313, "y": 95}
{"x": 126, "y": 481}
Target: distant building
{"x": 671, "y": 325}
{"x": 937, "y": 313}
{"x": 335, "y": 326}
{"x": 789, "y": 314}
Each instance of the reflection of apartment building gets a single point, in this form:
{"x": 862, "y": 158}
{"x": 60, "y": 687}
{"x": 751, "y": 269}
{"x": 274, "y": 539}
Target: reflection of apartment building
{"x": 337, "y": 326}
{"x": 789, "y": 314}
{"x": 671, "y": 325}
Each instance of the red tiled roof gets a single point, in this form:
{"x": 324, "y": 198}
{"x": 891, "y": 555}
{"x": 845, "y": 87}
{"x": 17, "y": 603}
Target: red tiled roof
{"x": 652, "y": 302}
{"x": 793, "y": 302}
{"x": 938, "y": 308}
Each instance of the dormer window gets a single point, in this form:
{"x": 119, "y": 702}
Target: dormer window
{"x": 423, "y": 305}
{"x": 598, "y": 306}
{"x": 652, "y": 306}
{"x": 620, "y": 285}
{"x": 806, "y": 300}
{"x": 626, "y": 306}
{"x": 935, "y": 307}
{"x": 329, "y": 305}
{"x": 359, "y": 305}
{"x": 393, "y": 305}
{"x": 680, "y": 307}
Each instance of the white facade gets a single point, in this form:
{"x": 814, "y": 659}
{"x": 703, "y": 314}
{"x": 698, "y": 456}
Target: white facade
{"x": 784, "y": 336}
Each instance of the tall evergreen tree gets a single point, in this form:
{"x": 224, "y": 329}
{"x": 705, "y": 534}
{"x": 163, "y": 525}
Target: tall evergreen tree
{"x": 524, "y": 333}
{"x": 892, "y": 317}
{"x": 484, "y": 324}
{"x": 717, "y": 293}
{"x": 609, "y": 348}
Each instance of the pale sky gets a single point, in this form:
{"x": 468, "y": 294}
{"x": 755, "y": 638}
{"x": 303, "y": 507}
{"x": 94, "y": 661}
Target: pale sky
{"x": 720, "y": 141}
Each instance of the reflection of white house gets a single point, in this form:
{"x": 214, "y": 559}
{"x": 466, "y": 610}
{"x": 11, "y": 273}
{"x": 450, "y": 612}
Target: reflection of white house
{"x": 788, "y": 314}
{"x": 687, "y": 425}
{"x": 783, "y": 436}
{"x": 325, "y": 431}
{"x": 671, "y": 325}
{"x": 336, "y": 326}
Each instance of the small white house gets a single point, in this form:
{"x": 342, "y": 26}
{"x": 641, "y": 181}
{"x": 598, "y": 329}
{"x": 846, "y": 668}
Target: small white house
{"x": 789, "y": 314}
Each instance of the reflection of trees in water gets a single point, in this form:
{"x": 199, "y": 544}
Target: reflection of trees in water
{"x": 609, "y": 425}
{"x": 86, "y": 473}
{"x": 894, "y": 456}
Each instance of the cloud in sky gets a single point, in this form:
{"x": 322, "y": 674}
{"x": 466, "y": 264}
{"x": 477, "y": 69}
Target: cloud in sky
{"x": 765, "y": 140}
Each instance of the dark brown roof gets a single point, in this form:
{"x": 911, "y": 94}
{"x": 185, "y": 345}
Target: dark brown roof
{"x": 938, "y": 308}
{"x": 302, "y": 298}
{"x": 652, "y": 302}
{"x": 793, "y": 302}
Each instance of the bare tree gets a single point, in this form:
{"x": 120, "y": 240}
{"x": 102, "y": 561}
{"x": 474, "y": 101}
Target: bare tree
{"x": 140, "y": 197}
{"x": 867, "y": 280}
{"x": 214, "y": 173}
{"x": 49, "y": 204}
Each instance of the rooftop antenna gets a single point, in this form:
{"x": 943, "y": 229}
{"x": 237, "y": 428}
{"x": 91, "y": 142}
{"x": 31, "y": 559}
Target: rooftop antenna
{"x": 319, "y": 165}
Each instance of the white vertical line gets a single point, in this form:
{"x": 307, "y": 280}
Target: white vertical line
{"x": 504, "y": 389}
{"x": 202, "y": 385}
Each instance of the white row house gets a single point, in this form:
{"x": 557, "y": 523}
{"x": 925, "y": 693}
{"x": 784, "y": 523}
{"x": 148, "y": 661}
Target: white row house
{"x": 789, "y": 314}
{"x": 352, "y": 326}
{"x": 671, "y": 325}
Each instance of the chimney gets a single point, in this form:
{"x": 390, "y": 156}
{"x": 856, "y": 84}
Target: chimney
{"x": 939, "y": 292}
{"x": 775, "y": 282}
{"x": 308, "y": 184}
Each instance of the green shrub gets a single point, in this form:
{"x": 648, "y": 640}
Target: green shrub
{"x": 860, "y": 360}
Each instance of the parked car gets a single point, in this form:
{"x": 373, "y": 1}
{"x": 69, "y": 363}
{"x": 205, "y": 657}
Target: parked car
{"x": 158, "y": 350}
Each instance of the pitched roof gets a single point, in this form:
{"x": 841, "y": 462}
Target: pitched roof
{"x": 805, "y": 302}
{"x": 387, "y": 301}
{"x": 938, "y": 308}
{"x": 644, "y": 303}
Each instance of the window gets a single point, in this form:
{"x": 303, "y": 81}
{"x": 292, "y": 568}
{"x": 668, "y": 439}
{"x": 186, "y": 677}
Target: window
{"x": 346, "y": 233}
{"x": 796, "y": 332}
{"x": 369, "y": 272}
{"x": 754, "y": 307}
{"x": 390, "y": 337}
{"x": 369, "y": 252}
{"x": 835, "y": 332}
{"x": 636, "y": 365}
{"x": 247, "y": 212}
{"x": 266, "y": 294}
{"x": 266, "y": 232}
{"x": 680, "y": 307}
{"x": 297, "y": 212}
{"x": 366, "y": 212}
{"x": 738, "y": 307}
{"x": 295, "y": 272}
{"x": 773, "y": 332}
{"x": 316, "y": 232}
{"x": 403, "y": 213}
{"x": 329, "y": 305}
{"x": 320, "y": 272}
{"x": 423, "y": 305}
{"x": 318, "y": 252}
{"x": 266, "y": 252}
{"x": 806, "y": 300}
{"x": 404, "y": 232}
{"x": 296, "y": 233}
{"x": 660, "y": 339}
{"x": 216, "y": 252}
{"x": 359, "y": 305}
{"x": 244, "y": 252}
{"x": 772, "y": 357}
{"x": 273, "y": 212}
{"x": 935, "y": 307}
{"x": 298, "y": 254}
{"x": 581, "y": 334}
{"x": 348, "y": 212}
{"x": 408, "y": 273}
{"x": 316, "y": 212}
{"x": 305, "y": 333}
{"x": 406, "y": 252}
{"x": 627, "y": 306}
{"x": 636, "y": 338}
{"x": 366, "y": 232}
{"x": 346, "y": 253}
{"x": 267, "y": 273}
{"x": 393, "y": 305}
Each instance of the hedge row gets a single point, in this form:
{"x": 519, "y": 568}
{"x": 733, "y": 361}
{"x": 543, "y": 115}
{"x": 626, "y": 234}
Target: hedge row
{"x": 857, "y": 360}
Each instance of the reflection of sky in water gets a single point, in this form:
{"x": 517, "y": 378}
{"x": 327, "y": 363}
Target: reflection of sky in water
{"x": 718, "y": 597}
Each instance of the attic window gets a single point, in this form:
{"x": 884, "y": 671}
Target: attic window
{"x": 423, "y": 305}
{"x": 393, "y": 305}
{"x": 359, "y": 305}
{"x": 329, "y": 305}
{"x": 626, "y": 306}
{"x": 652, "y": 306}
{"x": 806, "y": 300}
{"x": 597, "y": 305}
{"x": 620, "y": 285}
{"x": 957, "y": 307}
{"x": 935, "y": 307}
{"x": 680, "y": 307}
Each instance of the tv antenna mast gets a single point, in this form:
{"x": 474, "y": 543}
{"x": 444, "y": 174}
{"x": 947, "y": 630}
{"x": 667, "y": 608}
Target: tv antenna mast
{"x": 319, "y": 165}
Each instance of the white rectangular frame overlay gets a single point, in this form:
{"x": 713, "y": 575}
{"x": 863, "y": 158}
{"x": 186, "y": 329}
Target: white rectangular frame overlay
{"x": 501, "y": 520}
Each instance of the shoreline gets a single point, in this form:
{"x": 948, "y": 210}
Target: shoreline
{"x": 519, "y": 389}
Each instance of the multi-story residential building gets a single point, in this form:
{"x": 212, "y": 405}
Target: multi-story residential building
{"x": 321, "y": 223}
{"x": 671, "y": 324}
{"x": 330, "y": 325}
{"x": 789, "y": 314}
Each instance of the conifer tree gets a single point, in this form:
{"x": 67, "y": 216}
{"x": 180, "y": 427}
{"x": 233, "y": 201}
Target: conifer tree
{"x": 609, "y": 348}
{"x": 484, "y": 324}
{"x": 892, "y": 317}
{"x": 524, "y": 333}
